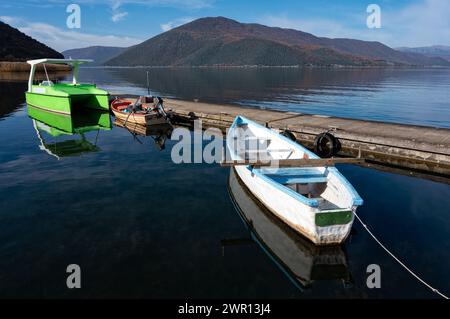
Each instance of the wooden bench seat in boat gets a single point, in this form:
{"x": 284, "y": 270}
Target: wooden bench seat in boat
{"x": 295, "y": 175}
{"x": 300, "y": 179}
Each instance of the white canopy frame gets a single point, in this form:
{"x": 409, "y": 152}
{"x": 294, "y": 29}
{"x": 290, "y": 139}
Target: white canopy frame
{"x": 73, "y": 62}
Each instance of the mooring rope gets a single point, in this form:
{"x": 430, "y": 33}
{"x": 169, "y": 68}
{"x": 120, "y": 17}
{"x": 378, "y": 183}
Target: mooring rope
{"x": 400, "y": 262}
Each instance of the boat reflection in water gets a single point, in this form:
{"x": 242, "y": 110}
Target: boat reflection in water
{"x": 63, "y": 125}
{"x": 159, "y": 133}
{"x": 302, "y": 261}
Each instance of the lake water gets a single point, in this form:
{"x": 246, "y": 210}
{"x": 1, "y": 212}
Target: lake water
{"x": 140, "y": 226}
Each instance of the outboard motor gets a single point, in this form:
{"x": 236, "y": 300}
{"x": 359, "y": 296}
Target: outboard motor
{"x": 160, "y": 107}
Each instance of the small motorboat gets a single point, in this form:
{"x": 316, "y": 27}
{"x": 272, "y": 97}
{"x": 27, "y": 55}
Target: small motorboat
{"x": 145, "y": 110}
{"x": 64, "y": 98}
{"x": 302, "y": 190}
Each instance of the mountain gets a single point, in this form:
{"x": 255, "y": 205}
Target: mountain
{"x": 17, "y": 46}
{"x": 99, "y": 54}
{"x": 222, "y": 41}
{"x": 441, "y": 51}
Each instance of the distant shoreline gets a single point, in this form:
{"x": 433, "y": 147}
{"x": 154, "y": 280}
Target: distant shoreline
{"x": 268, "y": 67}
{"x": 8, "y": 67}
{"x": 23, "y": 67}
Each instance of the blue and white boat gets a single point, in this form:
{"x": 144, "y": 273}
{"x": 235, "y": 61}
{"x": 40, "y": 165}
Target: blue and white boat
{"x": 317, "y": 202}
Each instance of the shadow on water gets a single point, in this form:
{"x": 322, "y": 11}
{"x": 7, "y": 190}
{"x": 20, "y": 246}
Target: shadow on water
{"x": 302, "y": 261}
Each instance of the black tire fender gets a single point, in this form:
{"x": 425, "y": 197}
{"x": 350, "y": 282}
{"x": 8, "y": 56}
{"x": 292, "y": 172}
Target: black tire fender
{"x": 326, "y": 145}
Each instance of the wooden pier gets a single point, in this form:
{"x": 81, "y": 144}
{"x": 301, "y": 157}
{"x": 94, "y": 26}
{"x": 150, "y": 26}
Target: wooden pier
{"x": 419, "y": 150}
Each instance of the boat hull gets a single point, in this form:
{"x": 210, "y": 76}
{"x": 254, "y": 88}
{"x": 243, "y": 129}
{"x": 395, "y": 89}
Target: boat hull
{"x": 66, "y": 104}
{"x": 141, "y": 119}
{"x": 147, "y": 115}
{"x": 56, "y": 104}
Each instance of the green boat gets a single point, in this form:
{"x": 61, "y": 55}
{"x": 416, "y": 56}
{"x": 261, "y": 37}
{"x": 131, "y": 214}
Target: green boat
{"x": 64, "y": 98}
{"x": 60, "y": 125}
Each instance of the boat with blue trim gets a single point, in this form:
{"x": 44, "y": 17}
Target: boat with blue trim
{"x": 316, "y": 201}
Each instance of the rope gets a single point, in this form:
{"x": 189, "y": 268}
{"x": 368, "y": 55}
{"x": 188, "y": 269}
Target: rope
{"x": 401, "y": 263}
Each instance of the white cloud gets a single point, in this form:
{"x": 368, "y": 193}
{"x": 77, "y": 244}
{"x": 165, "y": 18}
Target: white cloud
{"x": 185, "y": 4}
{"x": 420, "y": 24}
{"x": 119, "y": 16}
{"x": 11, "y": 20}
{"x": 61, "y": 40}
{"x": 175, "y": 23}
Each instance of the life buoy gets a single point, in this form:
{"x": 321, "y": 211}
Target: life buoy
{"x": 326, "y": 145}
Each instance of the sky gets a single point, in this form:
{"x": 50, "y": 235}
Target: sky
{"x": 123, "y": 23}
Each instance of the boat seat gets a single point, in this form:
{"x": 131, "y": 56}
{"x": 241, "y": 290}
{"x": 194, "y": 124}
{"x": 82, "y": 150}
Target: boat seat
{"x": 295, "y": 175}
{"x": 305, "y": 179}
{"x": 292, "y": 171}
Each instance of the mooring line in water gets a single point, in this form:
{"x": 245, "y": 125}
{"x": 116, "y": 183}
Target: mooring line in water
{"x": 400, "y": 262}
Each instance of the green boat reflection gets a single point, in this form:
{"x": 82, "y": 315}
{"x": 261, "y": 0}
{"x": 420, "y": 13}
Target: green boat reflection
{"x": 302, "y": 261}
{"x": 60, "y": 125}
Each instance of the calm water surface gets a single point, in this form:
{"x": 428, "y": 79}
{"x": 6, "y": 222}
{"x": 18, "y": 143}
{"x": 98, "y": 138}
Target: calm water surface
{"x": 141, "y": 226}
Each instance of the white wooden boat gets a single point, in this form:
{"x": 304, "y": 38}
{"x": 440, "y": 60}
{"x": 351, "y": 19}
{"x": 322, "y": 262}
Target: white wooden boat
{"x": 302, "y": 261}
{"x": 317, "y": 202}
